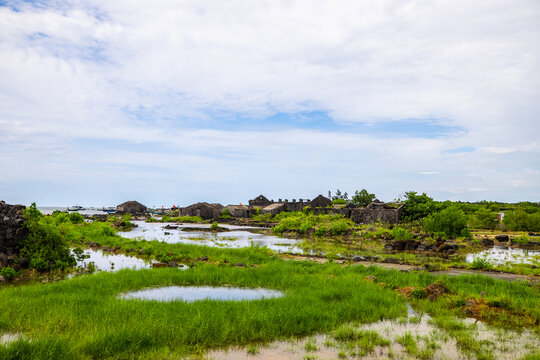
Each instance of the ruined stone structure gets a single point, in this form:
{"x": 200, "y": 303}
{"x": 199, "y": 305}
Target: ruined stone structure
{"x": 131, "y": 207}
{"x": 376, "y": 211}
{"x": 12, "y": 230}
{"x": 202, "y": 209}
{"x": 239, "y": 211}
{"x": 260, "y": 201}
{"x": 320, "y": 202}
{"x": 274, "y": 209}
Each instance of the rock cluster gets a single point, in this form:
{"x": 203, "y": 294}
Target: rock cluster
{"x": 440, "y": 246}
{"x": 12, "y": 230}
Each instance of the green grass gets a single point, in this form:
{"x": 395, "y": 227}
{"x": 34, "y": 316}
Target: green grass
{"x": 85, "y": 316}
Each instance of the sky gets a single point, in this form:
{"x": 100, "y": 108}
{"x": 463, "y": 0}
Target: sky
{"x": 172, "y": 102}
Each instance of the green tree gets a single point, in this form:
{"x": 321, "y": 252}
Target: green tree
{"x": 362, "y": 198}
{"x": 483, "y": 218}
{"x": 452, "y": 221}
{"x": 417, "y": 206}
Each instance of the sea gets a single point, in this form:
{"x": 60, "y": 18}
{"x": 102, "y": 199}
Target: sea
{"x": 47, "y": 210}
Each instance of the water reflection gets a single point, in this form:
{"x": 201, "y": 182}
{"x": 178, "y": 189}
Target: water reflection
{"x": 500, "y": 255}
{"x": 197, "y": 293}
{"x": 112, "y": 262}
{"x": 236, "y": 237}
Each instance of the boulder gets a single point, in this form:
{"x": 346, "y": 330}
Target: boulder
{"x": 487, "y": 242}
{"x": 502, "y": 237}
{"x": 436, "y": 289}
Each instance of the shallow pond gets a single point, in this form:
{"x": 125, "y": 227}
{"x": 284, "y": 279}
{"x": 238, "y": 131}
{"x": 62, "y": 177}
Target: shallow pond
{"x": 197, "y": 293}
{"x": 500, "y": 255}
{"x": 112, "y": 262}
{"x": 236, "y": 237}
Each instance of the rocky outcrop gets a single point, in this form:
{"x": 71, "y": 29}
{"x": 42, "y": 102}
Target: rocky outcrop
{"x": 12, "y": 230}
{"x": 131, "y": 207}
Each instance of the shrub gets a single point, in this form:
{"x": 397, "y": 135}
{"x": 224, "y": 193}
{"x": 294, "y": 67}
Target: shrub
{"x": 483, "y": 218}
{"x": 76, "y": 218}
{"x": 400, "y": 233}
{"x": 8, "y": 272}
{"x": 45, "y": 246}
{"x": 451, "y": 221}
{"x": 214, "y": 225}
{"x": 481, "y": 263}
{"x": 339, "y": 227}
{"x": 321, "y": 230}
{"x": 225, "y": 213}
{"x": 339, "y": 202}
{"x": 519, "y": 220}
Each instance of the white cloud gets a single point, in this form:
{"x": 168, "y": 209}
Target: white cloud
{"x": 87, "y": 69}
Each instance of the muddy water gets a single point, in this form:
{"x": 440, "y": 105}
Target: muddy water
{"x": 112, "y": 262}
{"x": 501, "y": 255}
{"x": 197, "y": 293}
{"x": 505, "y": 345}
{"x": 236, "y": 237}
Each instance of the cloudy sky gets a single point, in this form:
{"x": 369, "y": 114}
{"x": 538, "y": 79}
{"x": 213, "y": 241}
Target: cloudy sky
{"x": 172, "y": 102}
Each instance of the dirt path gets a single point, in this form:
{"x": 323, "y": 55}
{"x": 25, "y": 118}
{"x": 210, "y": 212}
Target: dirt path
{"x": 405, "y": 267}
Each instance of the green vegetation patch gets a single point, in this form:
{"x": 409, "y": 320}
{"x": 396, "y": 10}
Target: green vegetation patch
{"x": 86, "y": 314}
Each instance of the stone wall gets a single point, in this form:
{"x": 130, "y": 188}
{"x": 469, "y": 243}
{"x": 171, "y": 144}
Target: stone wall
{"x": 12, "y": 231}
{"x": 371, "y": 214}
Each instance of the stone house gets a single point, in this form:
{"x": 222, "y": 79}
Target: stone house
{"x": 131, "y": 207}
{"x": 202, "y": 209}
{"x": 239, "y": 211}
{"x": 320, "y": 202}
{"x": 260, "y": 201}
{"x": 274, "y": 209}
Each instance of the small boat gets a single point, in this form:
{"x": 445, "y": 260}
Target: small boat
{"x": 75, "y": 208}
{"x": 109, "y": 210}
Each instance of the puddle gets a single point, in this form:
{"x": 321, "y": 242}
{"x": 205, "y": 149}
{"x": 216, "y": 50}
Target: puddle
{"x": 236, "y": 237}
{"x": 197, "y": 293}
{"x": 113, "y": 262}
{"x": 507, "y": 345}
{"x": 10, "y": 337}
{"x": 500, "y": 255}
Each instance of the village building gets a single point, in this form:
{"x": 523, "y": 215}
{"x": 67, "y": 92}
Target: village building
{"x": 274, "y": 209}
{"x": 239, "y": 211}
{"x": 204, "y": 210}
{"x": 320, "y": 202}
{"x": 260, "y": 202}
{"x": 131, "y": 207}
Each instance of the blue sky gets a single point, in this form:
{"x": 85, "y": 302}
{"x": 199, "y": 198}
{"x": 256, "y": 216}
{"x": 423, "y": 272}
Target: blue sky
{"x": 175, "y": 102}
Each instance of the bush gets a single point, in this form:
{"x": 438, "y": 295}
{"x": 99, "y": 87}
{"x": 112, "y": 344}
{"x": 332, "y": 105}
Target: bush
{"x": 519, "y": 220}
{"x": 451, "y": 221}
{"x": 76, "y": 218}
{"x": 399, "y": 233}
{"x": 481, "y": 263}
{"x": 483, "y": 218}
{"x": 225, "y": 213}
{"x": 45, "y": 246}
{"x": 8, "y": 272}
{"x": 339, "y": 202}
